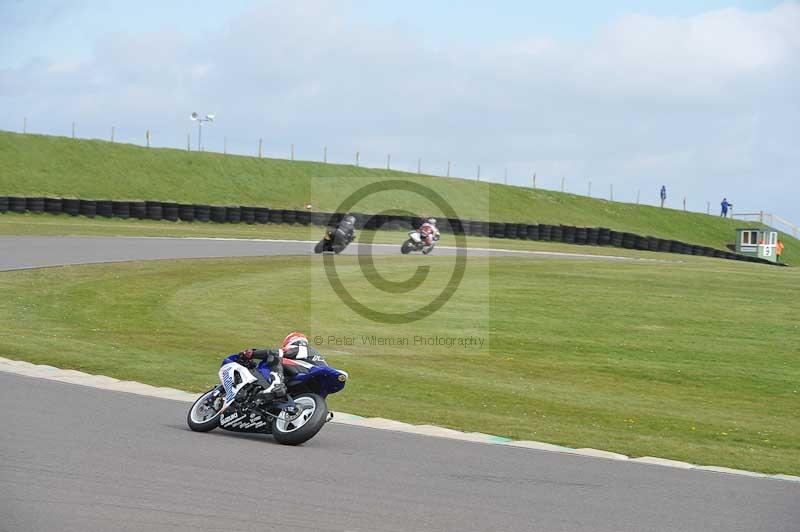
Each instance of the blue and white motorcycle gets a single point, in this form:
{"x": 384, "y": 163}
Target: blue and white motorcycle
{"x": 292, "y": 419}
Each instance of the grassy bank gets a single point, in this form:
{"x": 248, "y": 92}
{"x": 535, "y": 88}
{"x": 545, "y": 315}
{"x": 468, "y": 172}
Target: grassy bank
{"x": 56, "y": 166}
{"x": 670, "y": 360}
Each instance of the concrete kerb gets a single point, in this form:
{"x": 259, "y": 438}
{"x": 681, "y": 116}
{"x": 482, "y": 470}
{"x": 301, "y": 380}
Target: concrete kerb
{"x": 21, "y": 367}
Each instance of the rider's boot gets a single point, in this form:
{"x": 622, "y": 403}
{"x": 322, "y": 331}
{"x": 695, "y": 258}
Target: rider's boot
{"x": 276, "y": 388}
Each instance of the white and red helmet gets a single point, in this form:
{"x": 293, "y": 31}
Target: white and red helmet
{"x": 294, "y": 338}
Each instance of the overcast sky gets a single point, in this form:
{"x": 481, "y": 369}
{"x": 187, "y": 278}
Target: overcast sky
{"x": 700, "y": 96}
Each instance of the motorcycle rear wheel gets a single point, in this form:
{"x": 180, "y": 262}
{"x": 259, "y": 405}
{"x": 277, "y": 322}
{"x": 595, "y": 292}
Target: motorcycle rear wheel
{"x": 294, "y": 430}
{"x": 204, "y": 414}
{"x": 407, "y": 247}
{"x": 319, "y": 247}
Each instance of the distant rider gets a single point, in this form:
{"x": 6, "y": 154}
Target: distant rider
{"x": 347, "y": 229}
{"x": 429, "y": 234}
{"x": 294, "y": 347}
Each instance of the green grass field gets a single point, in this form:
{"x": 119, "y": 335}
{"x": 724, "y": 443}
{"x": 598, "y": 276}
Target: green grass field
{"x": 57, "y": 166}
{"x": 695, "y": 361}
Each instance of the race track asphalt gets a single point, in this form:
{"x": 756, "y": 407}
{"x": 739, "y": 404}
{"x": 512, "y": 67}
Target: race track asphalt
{"x": 77, "y": 459}
{"x": 40, "y": 251}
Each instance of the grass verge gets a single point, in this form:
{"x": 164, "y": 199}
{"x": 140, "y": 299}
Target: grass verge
{"x": 695, "y": 361}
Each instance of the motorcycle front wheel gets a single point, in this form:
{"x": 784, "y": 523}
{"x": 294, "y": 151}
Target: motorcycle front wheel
{"x": 204, "y": 414}
{"x": 299, "y": 428}
{"x": 319, "y": 247}
{"x": 407, "y": 247}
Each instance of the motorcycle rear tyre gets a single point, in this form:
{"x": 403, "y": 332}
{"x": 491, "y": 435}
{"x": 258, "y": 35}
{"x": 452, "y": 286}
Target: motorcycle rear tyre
{"x": 407, "y": 247}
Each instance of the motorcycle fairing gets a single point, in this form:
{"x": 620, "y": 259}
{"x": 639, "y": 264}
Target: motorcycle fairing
{"x": 234, "y": 377}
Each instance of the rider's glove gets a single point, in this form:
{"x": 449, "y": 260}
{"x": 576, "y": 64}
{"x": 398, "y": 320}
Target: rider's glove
{"x": 247, "y": 354}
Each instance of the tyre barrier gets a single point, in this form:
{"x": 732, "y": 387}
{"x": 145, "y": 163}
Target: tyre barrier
{"x": 53, "y": 205}
{"x": 71, "y": 206}
{"x": 261, "y": 215}
{"x": 105, "y": 208}
{"x": 88, "y": 208}
{"x": 121, "y": 209}
{"x": 185, "y": 212}
{"x": 138, "y": 210}
{"x": 249, "y": 215}
{"x": 592, "y": 236}
{"x": 202, "y": 213}
{"x": 233, "y": 215}
{"x": 35, "y": 205}
{"x": 581, "y": 235}
{"x": 545, "y": 231}
{"x": 156, "y": 210}
{"x": 568, "y": 234}
{"x": 170, "y": 211}
{"x": 153, "y": 210}
{"x": 218, "y": 214}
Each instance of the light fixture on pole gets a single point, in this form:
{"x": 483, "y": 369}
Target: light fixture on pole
{"x": 200, "y": 119}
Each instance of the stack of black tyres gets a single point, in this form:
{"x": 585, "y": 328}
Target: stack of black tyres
{"x": 275, "y": 216}
{"x": 248, "y": 215}
{"x": 664, "y": 245}
{"x": 533, "y": 232}
{"x": 105, "y": 208}
{"x": 87, "y": 208}
{"x": 170, "y": 211}
{"x": 138, "y": 210}
{"x": 615, "y": 238}
{"x": 593, "y": 236}
{"x": 510, "y": 230}
{"x": 154, "y": 210}
{"x": 121, "y": 209}
{"x": 652, "y": 243}
{"x": 35, "y": 205}
{"x": 4, "y": 203}
{"x": 186, "y": 212}
{"x": 218, "y": 214}
{"x": 581, "y": 235}
{"x": 568, "y": 234}
{"x": 604, "y": 236}
{"x": 545, "y": 232}
{"x": 556, "y": 234}
{"x": 498, "y": 230}
{"x": 233, "y": 215}
{"x": 522, "y": 231}
{"x": 289, "y": 216}
{"x": 642, "y": 243}
{"x": 628, "y": 240}
{"x": 17, "y": 204}
{"x": 303, "y": 217}
{"x": 261, "y": 215}
{"x": 202, "y": 213}
{"x": 71, "y": 206}
{"x": 475, "y": 228}
{"x": 53, "y": 205}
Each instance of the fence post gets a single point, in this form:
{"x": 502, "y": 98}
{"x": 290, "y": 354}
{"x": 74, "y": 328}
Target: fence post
{"x": 24, "y": 124}
{"x": 225, "y": 145}
{"x": 479, "y": 172}
{"x": 325, "y": 154}
{"x": 112, "y": 134}
{"x": 293, "y": 152}
{"x": 73, "y": 129}
{"x": 419, "y": 165}
{"x": 448, "y": 168}
{"x": 684, "y": 203}
{"x": 188, "y": 142}
{"x": 388, "y": 161}
{"x": 147, "y": 137}
{"x": 357, "y": 154}
{"x": 534, "y": 180}
{"x": 612, "y": 193}
{"x": 638, "y": 192}
{"x": 505, "y": 177}
{"x": 708, "y": 207}
{"x": 562, "y": 184}
{"x": 761, "y": 217}
{"x": 590, "y": 188}
{"x": 260, "y": 145}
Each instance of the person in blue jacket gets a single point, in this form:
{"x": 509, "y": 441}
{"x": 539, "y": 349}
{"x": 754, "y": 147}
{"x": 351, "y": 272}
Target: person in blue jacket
{"x": 725, "y": 206}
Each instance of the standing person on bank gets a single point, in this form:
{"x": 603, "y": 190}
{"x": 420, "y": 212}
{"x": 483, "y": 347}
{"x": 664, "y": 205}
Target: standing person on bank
{"x": 663, "y": 195}
{"x": 725, "y": 205}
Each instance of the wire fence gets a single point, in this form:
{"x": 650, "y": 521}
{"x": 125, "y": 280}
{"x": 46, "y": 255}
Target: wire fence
{"x": 257, "y": 147}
